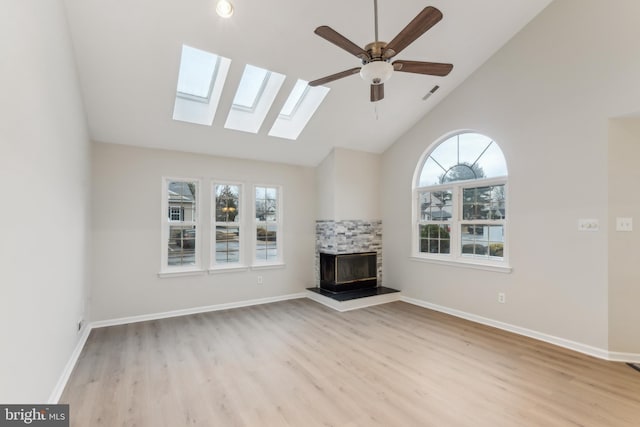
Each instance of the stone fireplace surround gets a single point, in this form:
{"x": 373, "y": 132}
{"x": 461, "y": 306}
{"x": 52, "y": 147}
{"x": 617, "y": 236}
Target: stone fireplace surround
{"x": 349, "y": 236}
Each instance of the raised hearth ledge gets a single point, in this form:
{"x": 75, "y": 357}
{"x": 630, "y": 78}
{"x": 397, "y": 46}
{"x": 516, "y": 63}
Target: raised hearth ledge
{"x": 383, "y": 295}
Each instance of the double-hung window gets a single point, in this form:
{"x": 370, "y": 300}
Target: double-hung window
{"x": 268, "y": 217}
{"x": 235, "y": 240}
{"x": 460, "y": 202}
{"x": 180, "y": 225}
{"x": 227, "y": 225}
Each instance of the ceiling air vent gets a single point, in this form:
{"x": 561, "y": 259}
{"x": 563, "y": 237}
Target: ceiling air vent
{"x": 431, "y": 92}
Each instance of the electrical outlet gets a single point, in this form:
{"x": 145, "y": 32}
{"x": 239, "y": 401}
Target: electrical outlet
{"x": 259, "y": 280}
{"x": 502, "y": 297}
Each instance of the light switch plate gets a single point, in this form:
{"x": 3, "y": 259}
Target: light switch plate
{"x": 589, "y": 224}
{"x": 624, "y": 224}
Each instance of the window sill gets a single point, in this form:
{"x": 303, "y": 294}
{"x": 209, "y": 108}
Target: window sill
{"x": 268, "y": 266}
{"x": 228, "y": 269}
{"x": 179, "y": 273}
{"x": 464, "y": 264}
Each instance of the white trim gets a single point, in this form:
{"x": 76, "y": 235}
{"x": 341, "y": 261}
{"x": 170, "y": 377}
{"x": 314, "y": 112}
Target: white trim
{"x": 561, "y": 342}
{"x": 56, "y": 393}
{"x": 470, "y": 183}
{"x": 180, "y": 273}
{"x": 353, "y": 304}
{"x": 624, "y": 357}
{"x": 463, "y": 264}
{"x": 268, "y": 266}
{"x": 228, "y": 269}
{"x": 194, "y": 310}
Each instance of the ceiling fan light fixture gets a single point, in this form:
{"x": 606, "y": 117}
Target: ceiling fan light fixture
{"x": 224, "y": 8}
{"x": 376, "y": 72}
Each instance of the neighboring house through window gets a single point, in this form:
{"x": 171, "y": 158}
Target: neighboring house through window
{"x": 460, "y": 199}
{"x": 180, "y": 225}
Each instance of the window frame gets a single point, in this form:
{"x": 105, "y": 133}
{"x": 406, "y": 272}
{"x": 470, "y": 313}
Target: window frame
{"x": 214, "y": 266}
{"x": 455, "y": 257}
{"x": 256, "y": 263}
{"x": 166, "y": 223}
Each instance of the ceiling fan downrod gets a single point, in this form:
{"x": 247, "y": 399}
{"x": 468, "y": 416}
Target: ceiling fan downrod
{"x": 375, "y": 17}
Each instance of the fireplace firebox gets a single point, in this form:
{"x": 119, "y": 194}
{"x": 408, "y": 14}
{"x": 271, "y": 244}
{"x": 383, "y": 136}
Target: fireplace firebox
{"x": 347, "y": 272}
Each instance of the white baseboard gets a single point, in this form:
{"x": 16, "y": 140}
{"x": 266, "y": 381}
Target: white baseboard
{"x": 194, "y": 310}
{"x": 339, "y": 306}
{"x": 624, "y": 357}
{"x": 561, "y": 342}
{"x": 55, "y": 395}
{"x": 353, "y": 304}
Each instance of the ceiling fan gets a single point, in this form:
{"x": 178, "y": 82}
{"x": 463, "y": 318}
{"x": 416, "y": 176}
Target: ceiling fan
{"x": 376, "y": 67}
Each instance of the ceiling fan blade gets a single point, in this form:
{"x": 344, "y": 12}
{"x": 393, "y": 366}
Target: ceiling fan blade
{"x": 335, "y": 76}
{"x": 377, "y": 92}
{"x": 426, "y": 19}
{"x": 419, "y": 67}
{"x": 341, "y": 41}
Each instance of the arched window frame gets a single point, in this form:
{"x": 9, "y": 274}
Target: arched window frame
{"x": 456, "y": 224}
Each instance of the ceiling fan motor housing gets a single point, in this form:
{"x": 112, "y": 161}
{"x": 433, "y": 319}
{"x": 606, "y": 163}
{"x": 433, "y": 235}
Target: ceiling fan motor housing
{"x": 376, "y": 72}
{"x": 376, "y": 69}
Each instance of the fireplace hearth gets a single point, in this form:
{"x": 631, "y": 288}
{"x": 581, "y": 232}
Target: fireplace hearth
{"x": 348, "y": 272}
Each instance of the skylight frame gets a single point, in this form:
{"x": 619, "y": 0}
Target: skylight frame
{"x": 290, "y": 126}
{"x": 192, "y": 107}
{"x": 197, "y": 98}
{"x": 184, "y": 69}
{"x": 250, "y": 120}
{"x": 259, "y": 93}
{"x": 300, "y": 99}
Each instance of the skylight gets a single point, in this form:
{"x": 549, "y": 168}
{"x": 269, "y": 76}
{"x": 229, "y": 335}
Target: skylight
{"x": 298, "y": 92}
{"x": 200, "y": 81}
{"x": 302, "y": 103}
{"x": 256, "y": 92}
{"x": 254, "y": 80}
{"x": 197, "y": 70}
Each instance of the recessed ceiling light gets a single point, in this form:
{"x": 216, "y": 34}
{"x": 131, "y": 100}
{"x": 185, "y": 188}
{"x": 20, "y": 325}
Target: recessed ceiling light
{"x": 224, "y": 8}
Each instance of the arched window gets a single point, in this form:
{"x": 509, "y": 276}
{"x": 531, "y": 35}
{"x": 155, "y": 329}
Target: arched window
{"x": 460, "y": 196}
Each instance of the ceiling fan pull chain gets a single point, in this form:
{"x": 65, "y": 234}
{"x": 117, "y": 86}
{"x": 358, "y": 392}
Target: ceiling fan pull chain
{"x": 375, "y": 13}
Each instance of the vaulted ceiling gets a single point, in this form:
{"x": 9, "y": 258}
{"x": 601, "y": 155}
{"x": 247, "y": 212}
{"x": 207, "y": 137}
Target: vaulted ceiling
{"x": 128, "y": 57}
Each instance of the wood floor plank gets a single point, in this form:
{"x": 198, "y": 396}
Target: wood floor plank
{"x": 297, "y": 363}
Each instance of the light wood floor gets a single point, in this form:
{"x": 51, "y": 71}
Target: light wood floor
{"x": 297, "y": 363}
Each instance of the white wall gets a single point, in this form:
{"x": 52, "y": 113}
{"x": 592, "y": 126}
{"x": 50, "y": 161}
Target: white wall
{"x": 624, "y": 247}
{"x": 357, "y": 189}
{"x": 545, "y": 98}
{"x": 348, "y": 184}
{"x": 126, "y": 232}
{"x": 44, "y": 169}
{"x": 326, "y": 188}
